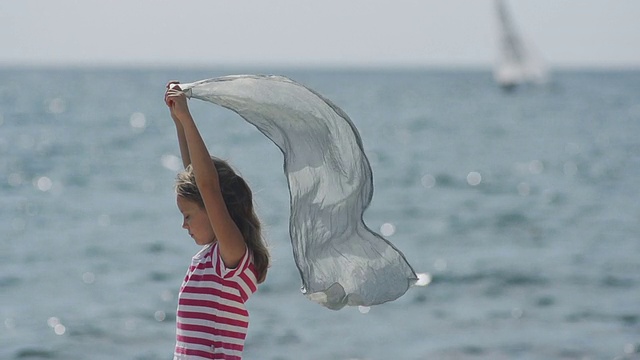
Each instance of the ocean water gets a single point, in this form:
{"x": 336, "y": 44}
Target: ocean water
{"x": 524, "y": 207}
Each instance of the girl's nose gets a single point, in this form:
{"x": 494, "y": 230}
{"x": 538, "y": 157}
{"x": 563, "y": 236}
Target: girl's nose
{"x": 184, "y": 224}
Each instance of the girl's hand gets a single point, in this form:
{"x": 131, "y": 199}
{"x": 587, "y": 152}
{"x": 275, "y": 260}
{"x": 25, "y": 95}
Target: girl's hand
{"x": 170, "y": 87}
{"x": 176, "y": 100}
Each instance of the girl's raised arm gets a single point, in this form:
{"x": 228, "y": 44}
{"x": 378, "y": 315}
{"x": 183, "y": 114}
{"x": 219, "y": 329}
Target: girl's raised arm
{"x": 231, "y": 243}
{"x": 182, "y": 141}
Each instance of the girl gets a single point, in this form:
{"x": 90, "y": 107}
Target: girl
{"x": 217, "y": 209}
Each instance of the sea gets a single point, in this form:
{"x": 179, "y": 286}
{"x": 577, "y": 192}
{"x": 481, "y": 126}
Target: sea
{"x": 522, "y": 207}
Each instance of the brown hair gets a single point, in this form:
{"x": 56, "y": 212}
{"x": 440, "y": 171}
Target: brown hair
{"x": 239, "y": 200}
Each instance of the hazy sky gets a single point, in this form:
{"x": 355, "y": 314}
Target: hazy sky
{"x": 592, "y": 33}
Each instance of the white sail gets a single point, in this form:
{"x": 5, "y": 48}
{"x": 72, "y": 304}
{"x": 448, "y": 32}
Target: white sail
{"x": 517, "y": 61}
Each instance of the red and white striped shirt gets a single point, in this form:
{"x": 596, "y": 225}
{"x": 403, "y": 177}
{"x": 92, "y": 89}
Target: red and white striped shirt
{"x": 212, "y": 321}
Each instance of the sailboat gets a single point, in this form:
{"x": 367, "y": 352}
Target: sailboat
{"x": 518, "y": 62}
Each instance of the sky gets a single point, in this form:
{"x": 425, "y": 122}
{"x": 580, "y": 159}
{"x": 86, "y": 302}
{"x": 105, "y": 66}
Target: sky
{"x": 372, "y": 33}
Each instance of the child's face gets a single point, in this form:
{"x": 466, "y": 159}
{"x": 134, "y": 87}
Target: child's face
{"x": 196, "y": 221}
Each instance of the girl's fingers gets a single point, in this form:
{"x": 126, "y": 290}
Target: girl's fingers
{"x": 173, "y": 91}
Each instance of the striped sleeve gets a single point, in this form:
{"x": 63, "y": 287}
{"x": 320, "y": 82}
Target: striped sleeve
{"x": 227, "y": 273}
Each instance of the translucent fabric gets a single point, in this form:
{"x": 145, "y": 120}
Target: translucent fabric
{"x": 341, "y": 261}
